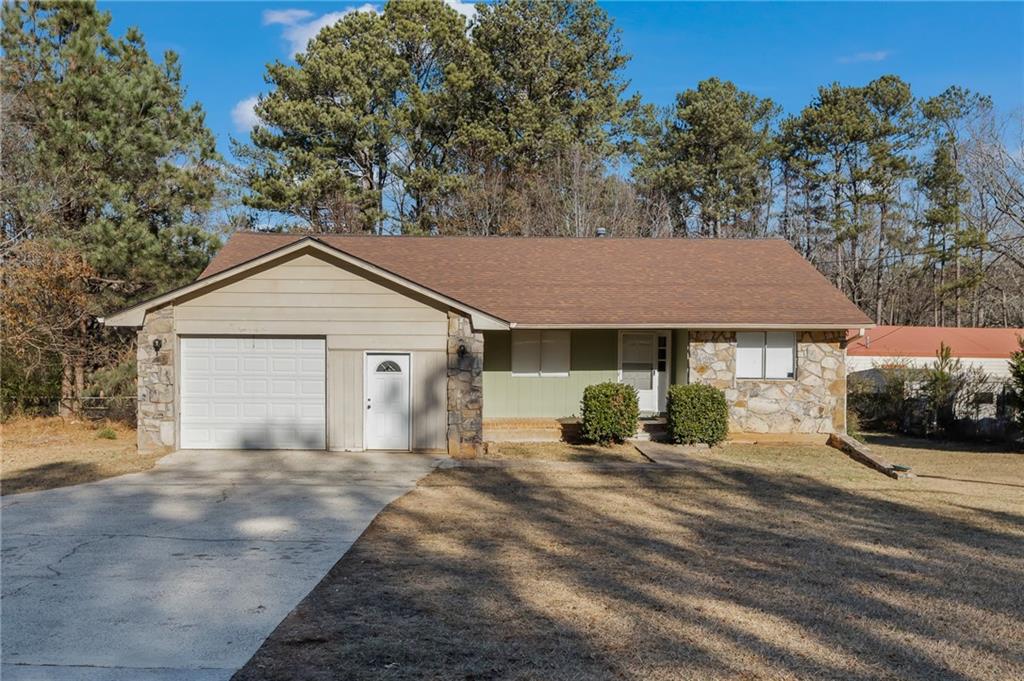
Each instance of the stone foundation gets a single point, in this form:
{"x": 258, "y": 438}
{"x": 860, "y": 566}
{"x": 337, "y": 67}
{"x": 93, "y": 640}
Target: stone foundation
{"x": 465, "y": 388}
{"x": 156, "y": 419}
{"x": 813, "y": 402}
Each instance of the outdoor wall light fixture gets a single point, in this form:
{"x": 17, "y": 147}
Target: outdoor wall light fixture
{"x": 157, "y": 344}
{"x": 462, "y": 351}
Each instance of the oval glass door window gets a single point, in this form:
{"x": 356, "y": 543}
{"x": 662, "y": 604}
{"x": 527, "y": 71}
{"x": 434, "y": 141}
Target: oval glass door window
{"x": 388, "y": 367}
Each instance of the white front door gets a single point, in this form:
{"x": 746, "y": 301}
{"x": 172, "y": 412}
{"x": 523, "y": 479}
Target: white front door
{"x": 386, "y": 401}
{"x": 644, "y": 364}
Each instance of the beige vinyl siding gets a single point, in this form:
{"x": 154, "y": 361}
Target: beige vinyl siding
{"x": 593, "y": 358}
{"x": 344, "y": 399}
{"x": 311, "y": 296}
{"x": 429, "y": 400}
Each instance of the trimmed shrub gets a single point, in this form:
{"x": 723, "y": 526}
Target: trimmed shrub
{"x": 697, "y": 413}
{"x": 610, "y": 412}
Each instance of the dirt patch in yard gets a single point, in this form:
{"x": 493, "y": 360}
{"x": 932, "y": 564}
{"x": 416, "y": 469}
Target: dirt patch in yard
{"x": 42, "y": 453}
{"x": 753, "y": 563}
{"x": 561, "y": 451}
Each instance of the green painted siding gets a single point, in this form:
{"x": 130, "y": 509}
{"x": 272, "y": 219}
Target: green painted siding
{"x": 680, "y": 355}
{"x": 593, "y": 358}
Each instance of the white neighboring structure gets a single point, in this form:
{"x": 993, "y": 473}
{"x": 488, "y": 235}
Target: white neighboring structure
{"x": 917, "y": 346}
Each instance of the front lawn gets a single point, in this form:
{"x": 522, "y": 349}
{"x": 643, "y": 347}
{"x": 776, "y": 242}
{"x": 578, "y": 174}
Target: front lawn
{"x": 561, "y": 451}
{"x": 756, "y": 562}
{"x": 41, "y": 453}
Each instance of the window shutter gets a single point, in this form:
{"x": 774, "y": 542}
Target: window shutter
{"x": 554, "y": 353}
{"x": 525, "y": 353}
{"x": 749, "y": 354}
{"x": 779, "y": 354}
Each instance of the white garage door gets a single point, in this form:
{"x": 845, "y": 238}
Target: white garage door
{"x": 253, "y": 393}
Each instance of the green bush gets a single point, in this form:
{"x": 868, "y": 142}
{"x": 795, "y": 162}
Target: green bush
{"x": 610, "y": 412}
{"x": 697, "y": 413}
{"x": 106, "y": 433}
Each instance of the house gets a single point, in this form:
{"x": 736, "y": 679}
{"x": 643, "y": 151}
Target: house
{"x": 364, "y": 342}
{"x": 916, "y": 347}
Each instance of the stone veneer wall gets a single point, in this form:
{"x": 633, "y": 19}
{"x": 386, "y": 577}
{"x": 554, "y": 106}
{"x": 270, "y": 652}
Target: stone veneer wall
{"x": 156, "y": 419}
{"x": 815, "y": 402}
{"x": 465, "y": 388}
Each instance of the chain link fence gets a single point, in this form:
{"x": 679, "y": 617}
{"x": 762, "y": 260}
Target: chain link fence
{"x": 95, "y": 408}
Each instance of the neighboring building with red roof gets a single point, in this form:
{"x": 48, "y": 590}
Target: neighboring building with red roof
{"x": 989, "y": 349}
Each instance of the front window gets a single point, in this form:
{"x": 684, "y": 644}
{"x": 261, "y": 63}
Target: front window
{"x": 765, "y": 354}
{"x": 540, "y": 353}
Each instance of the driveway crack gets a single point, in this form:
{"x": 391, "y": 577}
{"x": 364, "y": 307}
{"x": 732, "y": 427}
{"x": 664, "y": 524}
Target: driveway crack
{"x": 74, "y": 549}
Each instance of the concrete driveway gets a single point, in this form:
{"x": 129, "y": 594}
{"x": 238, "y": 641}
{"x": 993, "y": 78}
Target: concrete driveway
{"x": 182, "y": 571}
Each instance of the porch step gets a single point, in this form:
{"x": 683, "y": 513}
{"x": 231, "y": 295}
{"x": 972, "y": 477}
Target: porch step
{"x": 554, "y": 430}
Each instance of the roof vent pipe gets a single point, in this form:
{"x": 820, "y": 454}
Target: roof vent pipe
{"x": 600, "y": 232}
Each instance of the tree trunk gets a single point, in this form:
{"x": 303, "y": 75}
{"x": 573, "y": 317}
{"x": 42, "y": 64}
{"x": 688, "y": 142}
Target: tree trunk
{"x": 956, "y": 264}
{"x": 72, "y": 385}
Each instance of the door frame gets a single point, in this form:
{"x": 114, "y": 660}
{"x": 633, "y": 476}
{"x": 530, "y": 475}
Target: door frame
{"x": 366, "y": 384}
{"x": 659, "y": 390}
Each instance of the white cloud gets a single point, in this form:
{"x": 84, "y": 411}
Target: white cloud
{"x": 466, "y": 9}
{"x": 301, "y": 26}
{"x": 287, "y": 17}
{"x": 244, "y": 114}
{"x": 859, "y": 57}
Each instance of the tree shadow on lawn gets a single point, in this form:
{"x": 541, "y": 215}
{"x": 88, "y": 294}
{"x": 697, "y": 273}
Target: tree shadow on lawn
{"x": 50, "y": 475}
{"x": 936, "y": 445}
{"x": 718, "y": 571}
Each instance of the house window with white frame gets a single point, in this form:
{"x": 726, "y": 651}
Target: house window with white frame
{"x": 540, "y": 353}
{"x": 766, "y": 354}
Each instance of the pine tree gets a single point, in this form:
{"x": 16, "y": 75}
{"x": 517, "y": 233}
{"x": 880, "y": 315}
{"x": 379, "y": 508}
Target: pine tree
{"x": 943, "y": 188}
{"x": 387, "y": 118}
{"x": 554, "y": 82}
{"x": 1017, "y": 379}
{"x": 359, "y": 134}
{"x": 111, "y": 168}
{"x": 711, "y": 156}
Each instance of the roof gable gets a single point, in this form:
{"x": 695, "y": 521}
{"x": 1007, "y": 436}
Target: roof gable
{"x": 135, "y": 315}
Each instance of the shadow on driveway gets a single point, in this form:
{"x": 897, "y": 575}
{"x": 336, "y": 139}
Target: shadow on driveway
{"x": 183, "y": 570}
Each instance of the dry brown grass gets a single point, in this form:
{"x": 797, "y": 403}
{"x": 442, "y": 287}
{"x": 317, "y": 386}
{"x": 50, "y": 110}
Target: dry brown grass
{"x": 752, "y": 563}
{"x": 42, "y": 453}
{"x": 561, "y": 451}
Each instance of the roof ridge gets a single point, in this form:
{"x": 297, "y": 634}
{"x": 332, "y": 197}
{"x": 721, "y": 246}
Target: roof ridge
{"x": 499, "y": 237}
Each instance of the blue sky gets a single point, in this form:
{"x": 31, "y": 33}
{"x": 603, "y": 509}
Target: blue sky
{"x": 778, "y": 50}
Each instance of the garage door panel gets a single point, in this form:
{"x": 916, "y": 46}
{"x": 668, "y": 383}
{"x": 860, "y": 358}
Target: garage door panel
{"x": 254, "y": 365}
{"x": 225, "y": 387}
{"x": 225, "y": 410}
{"x": 254, "y": 388}
{"x": 288, "y": 364}
{"x": 247, "y": 393}
{"x": 283, "y": 388}
{"x": 225, "y": 365}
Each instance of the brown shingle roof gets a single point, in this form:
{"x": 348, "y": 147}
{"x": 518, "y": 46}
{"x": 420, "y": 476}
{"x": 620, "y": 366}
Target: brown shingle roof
{"x": 555, "y": 281}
